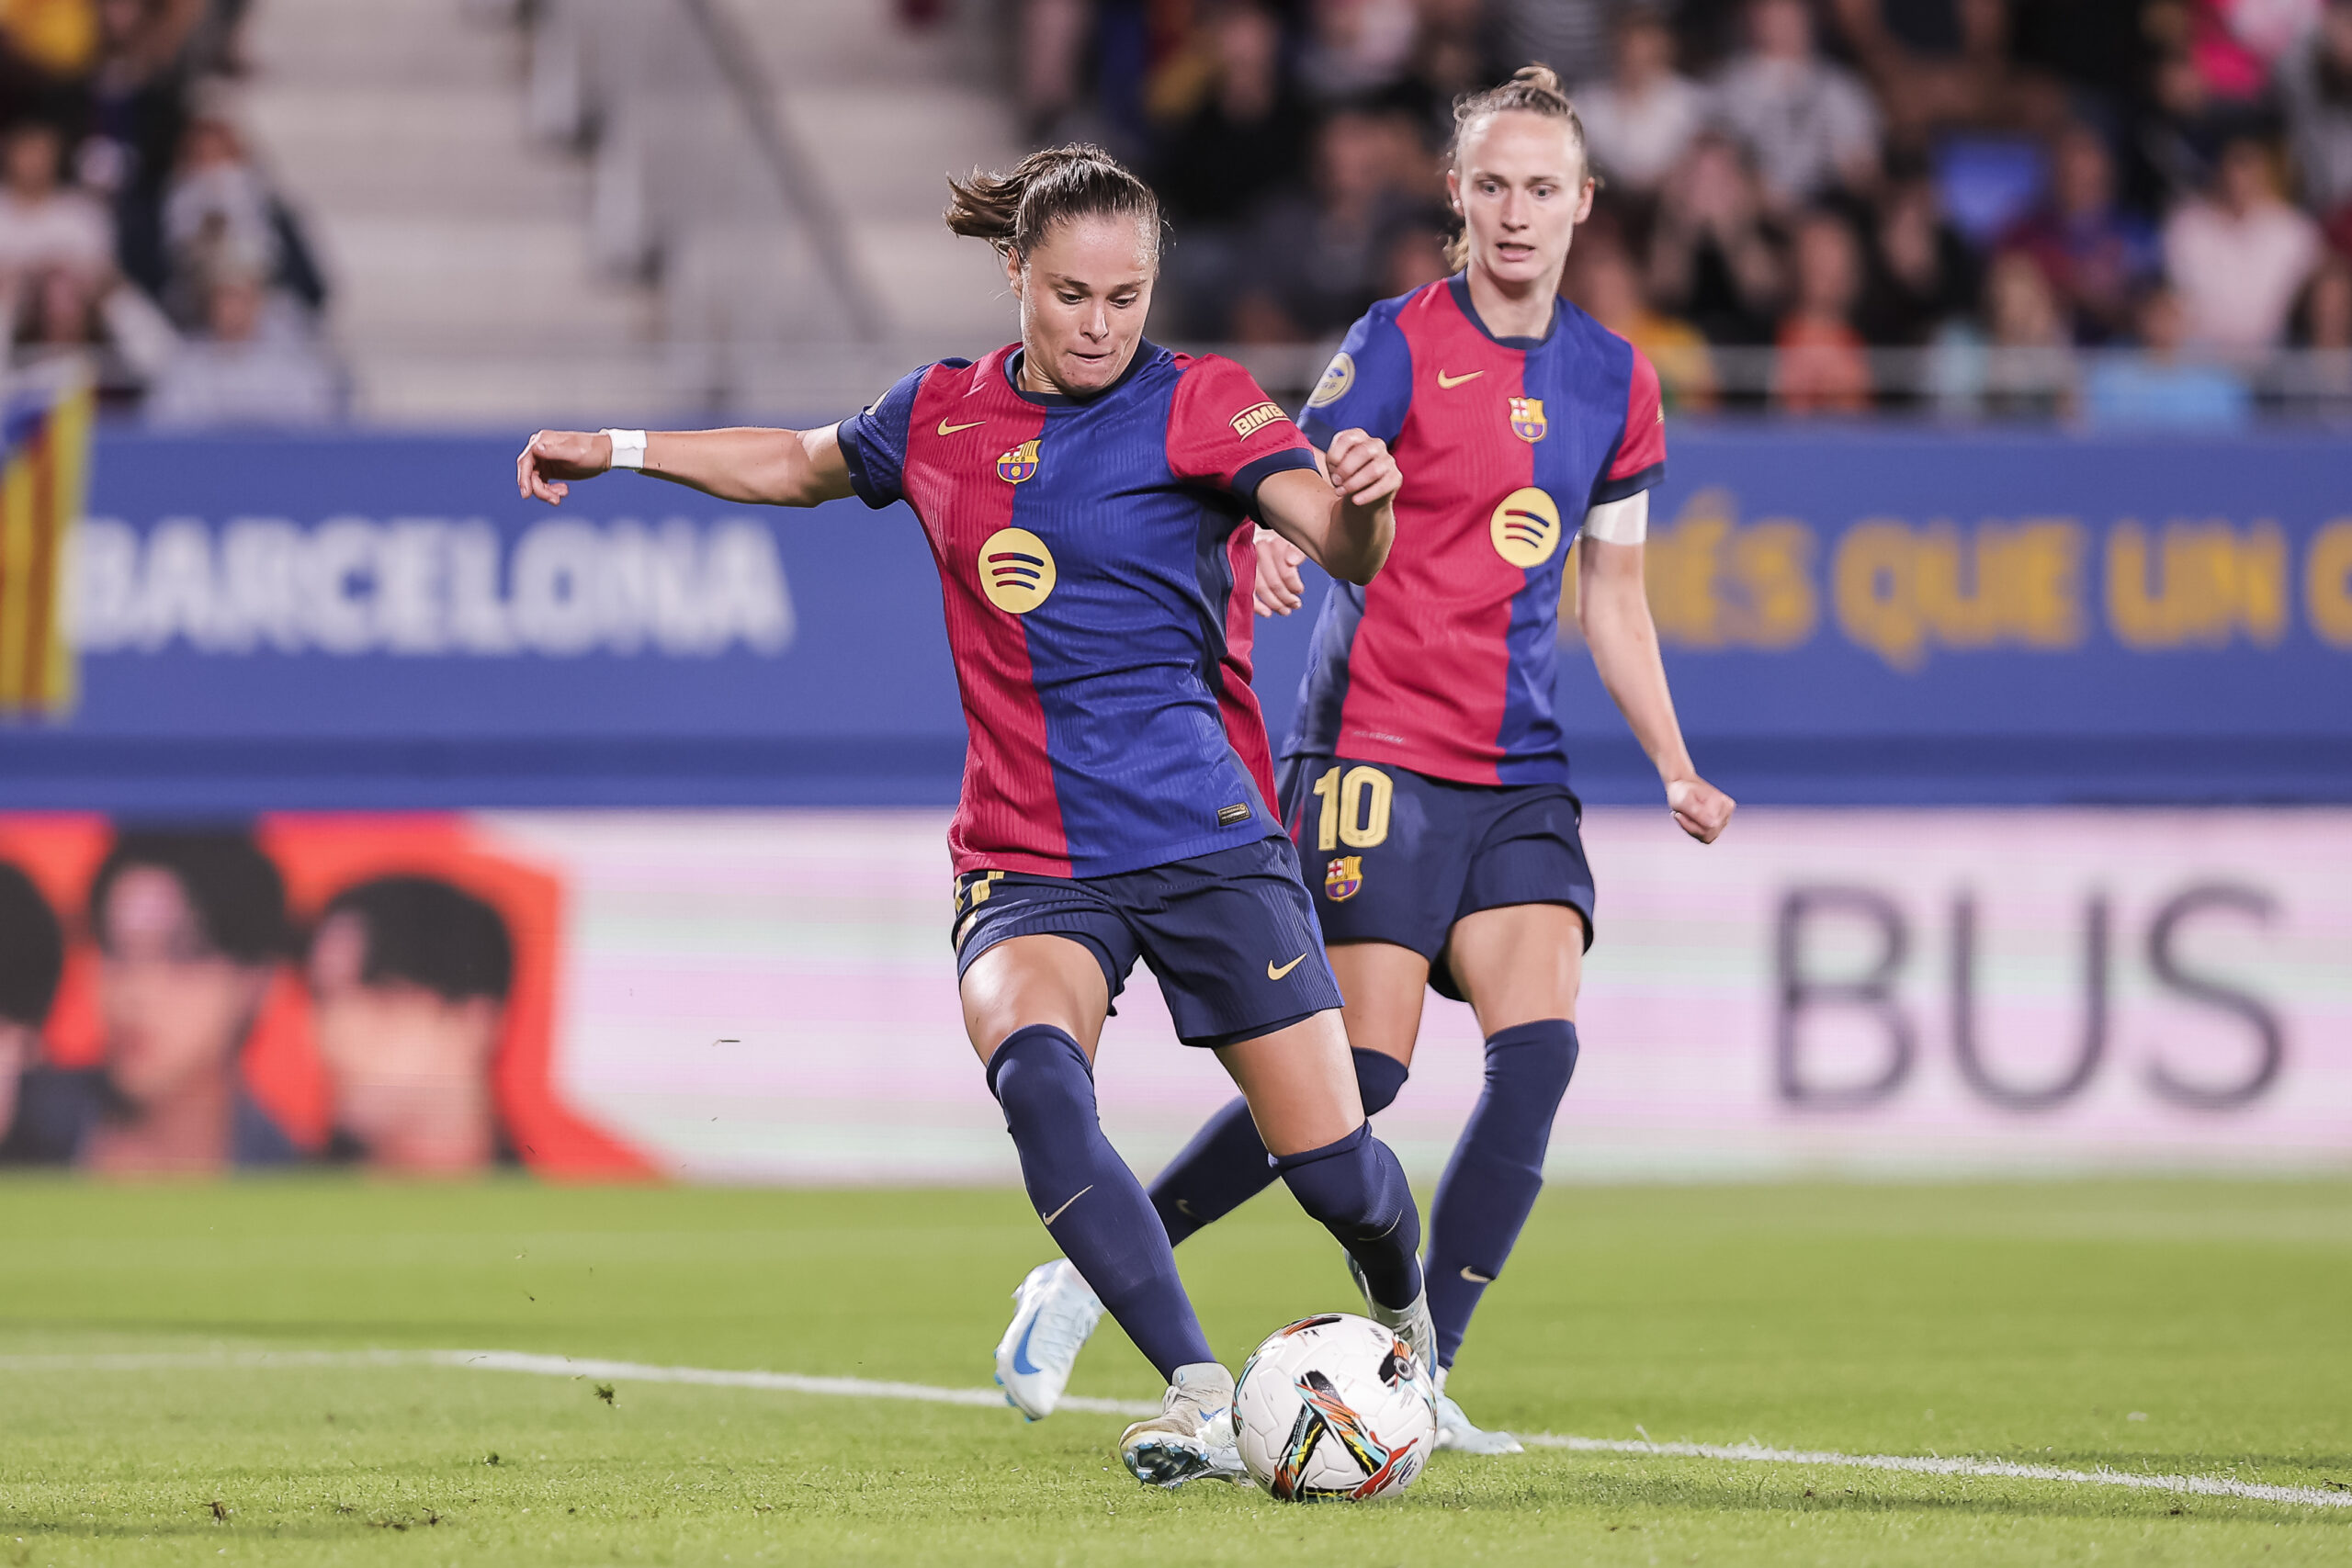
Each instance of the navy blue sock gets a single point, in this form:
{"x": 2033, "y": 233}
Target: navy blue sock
{"x": 1091, "y": 1201}
{"x": 1225, "y": 1166}
{"x": 1497, "y": 1171}
{"x": 1357, "y": 1189}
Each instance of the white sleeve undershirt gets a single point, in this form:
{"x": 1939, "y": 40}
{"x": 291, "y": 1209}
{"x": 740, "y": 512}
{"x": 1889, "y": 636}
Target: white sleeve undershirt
{"x": 1625, "y": 522}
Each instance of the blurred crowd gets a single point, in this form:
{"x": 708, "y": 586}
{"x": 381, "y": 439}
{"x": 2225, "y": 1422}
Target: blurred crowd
{"x": 137, "y": 233}
{"x": 2117, "y": 209}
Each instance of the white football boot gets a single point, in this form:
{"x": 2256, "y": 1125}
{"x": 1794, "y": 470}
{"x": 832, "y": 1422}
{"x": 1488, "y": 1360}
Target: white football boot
{"x": 1455, "y": 1431}
{"x": 1411, "y": 1323}
{"x": 1054, "y": 1311}
{"x": 1191, "y": 1437}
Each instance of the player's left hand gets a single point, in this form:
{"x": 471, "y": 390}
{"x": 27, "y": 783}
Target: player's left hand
{"x": 1361, "y": 470}
{"x": 1700, "y": 808}
{"x": 1281, "y": 589}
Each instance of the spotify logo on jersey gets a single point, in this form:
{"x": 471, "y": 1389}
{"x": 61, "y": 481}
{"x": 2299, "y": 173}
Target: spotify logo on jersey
{"x": 1016, "y": 571}
{"x": 1526, "y": 527}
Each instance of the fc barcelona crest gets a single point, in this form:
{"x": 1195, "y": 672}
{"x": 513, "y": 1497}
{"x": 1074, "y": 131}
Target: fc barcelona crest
{"x": 1022, "y": 461}
{"x": 1342, "y": 877}
{"x": 1526, "y": 419}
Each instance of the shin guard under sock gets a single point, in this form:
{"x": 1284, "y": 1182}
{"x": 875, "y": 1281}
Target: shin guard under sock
{"x": 1092, "y": 1203}
{"x": 1225, "y": 1166}
{"x": 1497, "y": 1171}
{"x": 1357, "y": 1189}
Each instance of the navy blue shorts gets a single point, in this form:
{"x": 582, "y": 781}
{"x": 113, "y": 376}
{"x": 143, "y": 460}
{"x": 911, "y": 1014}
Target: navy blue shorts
{"x": 1405, "y": 855}
{"x": 1231, "y": 935}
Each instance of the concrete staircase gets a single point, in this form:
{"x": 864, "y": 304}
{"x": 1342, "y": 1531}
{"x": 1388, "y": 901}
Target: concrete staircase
{"x": 463, "y": 290}
{"x": 886, "y": 115}
{"x": 881, "y": 117}
{"x": 468, "y": 287}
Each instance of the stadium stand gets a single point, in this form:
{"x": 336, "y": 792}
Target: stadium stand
{"x": 2112, "y": 211}
{"x": 138, "y": 236}
{"x": 628, "y": 207}
{"x": 1819, "y": 207}
{"x": 466, "y": 288}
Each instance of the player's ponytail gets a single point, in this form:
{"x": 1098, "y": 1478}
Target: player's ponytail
{"x": 1014, "y": 212}
{"x": 1532, "y": 89}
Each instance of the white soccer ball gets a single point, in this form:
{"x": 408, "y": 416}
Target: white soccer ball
{"x": 1334, "y": 1407}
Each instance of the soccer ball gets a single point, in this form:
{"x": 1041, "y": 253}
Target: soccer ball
{"x": 1334, "y": 1407}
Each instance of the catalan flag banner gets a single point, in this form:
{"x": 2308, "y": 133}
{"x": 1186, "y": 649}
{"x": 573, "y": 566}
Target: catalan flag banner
{"x": 42, "y": 484}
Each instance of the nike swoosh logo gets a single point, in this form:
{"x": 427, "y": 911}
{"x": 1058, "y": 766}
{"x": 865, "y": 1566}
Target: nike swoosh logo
{"x": 1450, "y": 382}
{"x": 1021, "y": 1361}
{"x": 947, "y": 429}
{"x": 1184, "y": 1207}
{"x": 1074, "y": 1197}
{"x": 1475, "y": 1277}
{"x": 1274, "y": 973}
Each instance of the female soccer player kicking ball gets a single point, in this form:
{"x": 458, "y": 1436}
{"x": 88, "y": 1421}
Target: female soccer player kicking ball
{"x": 1083, "y": 493}
{"x": 1425, "y": 774}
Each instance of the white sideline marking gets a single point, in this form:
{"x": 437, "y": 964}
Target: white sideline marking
{"x": 992, "y": 1399}
{"x": 550, "y": 1366}
{"x": 783, "y": 1383}
{"x": 2202, "y": 1485}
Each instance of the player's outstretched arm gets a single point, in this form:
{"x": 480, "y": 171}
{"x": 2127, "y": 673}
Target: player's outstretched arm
{"x": 773, "y": 467}
{"x": 1613, "y": 609}
{"x": 1347, "y": 522}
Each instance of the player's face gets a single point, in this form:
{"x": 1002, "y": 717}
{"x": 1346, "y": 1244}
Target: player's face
{"x": 1521, "y": 188}
{"x": 174, "y": 1007}
{"x": 1084, "y": 292}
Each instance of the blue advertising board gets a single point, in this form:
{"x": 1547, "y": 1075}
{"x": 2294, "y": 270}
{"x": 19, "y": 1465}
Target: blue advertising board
{"x": 378, "y": 622}
{"x": 1865, "y": 617}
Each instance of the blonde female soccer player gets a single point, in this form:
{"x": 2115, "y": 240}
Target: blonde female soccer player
{"x": 1425, "y": 778}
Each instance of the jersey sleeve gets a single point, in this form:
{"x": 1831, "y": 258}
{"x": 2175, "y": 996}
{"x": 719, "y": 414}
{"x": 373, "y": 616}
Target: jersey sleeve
{"x": 1223, "y": 429}
{"x": 1639, "y": 461}
{"x": 1369, "y": 384}
{"x": 874, "y": 441}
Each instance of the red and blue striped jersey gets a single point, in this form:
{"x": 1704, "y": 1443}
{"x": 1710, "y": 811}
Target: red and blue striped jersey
{"x": 1445, "y": 663}
{"x": 1096, "y": 564}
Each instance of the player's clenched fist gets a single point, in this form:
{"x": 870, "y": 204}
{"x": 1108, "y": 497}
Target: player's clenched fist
{"x": 1280, "y": 588}
{"x": 1700, "y": 808}
{"x": 554, "y": 456}
{"x": 1362, "y": 468}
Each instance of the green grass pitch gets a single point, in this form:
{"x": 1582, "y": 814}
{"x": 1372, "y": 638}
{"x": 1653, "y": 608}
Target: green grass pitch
{"x": 2181, "y": 1327}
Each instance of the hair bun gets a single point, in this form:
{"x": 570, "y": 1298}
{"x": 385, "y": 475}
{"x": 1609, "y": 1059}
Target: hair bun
{"x": 1015, "y": 211}
{"x": 1532, "y": 89}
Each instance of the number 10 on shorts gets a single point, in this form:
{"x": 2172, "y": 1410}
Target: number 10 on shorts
{"x": 1355, "y": 808}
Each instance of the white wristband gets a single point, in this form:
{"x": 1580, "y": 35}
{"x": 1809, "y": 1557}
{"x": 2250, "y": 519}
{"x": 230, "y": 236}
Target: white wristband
{"x": 1623, "y": 522}
{"x": 628, "y": 448}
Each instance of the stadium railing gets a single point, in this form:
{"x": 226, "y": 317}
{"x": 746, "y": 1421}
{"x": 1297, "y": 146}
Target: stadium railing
{"x": 730, "y": 349}
{"x": 697, "y": 181}
{"x": 1962, "y": 381}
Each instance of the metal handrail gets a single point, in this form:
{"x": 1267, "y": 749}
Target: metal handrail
{"x": 755, "y": 95}
{"x": 696, "y": 183}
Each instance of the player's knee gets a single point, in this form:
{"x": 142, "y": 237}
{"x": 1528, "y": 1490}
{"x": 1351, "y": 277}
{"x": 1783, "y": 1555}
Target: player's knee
{"x": 1353, "y": 1187}
{"x": 1040, "y": 1075}
{"x": 1379, "y": 1077}
{"x": 1530, "y": 1063}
